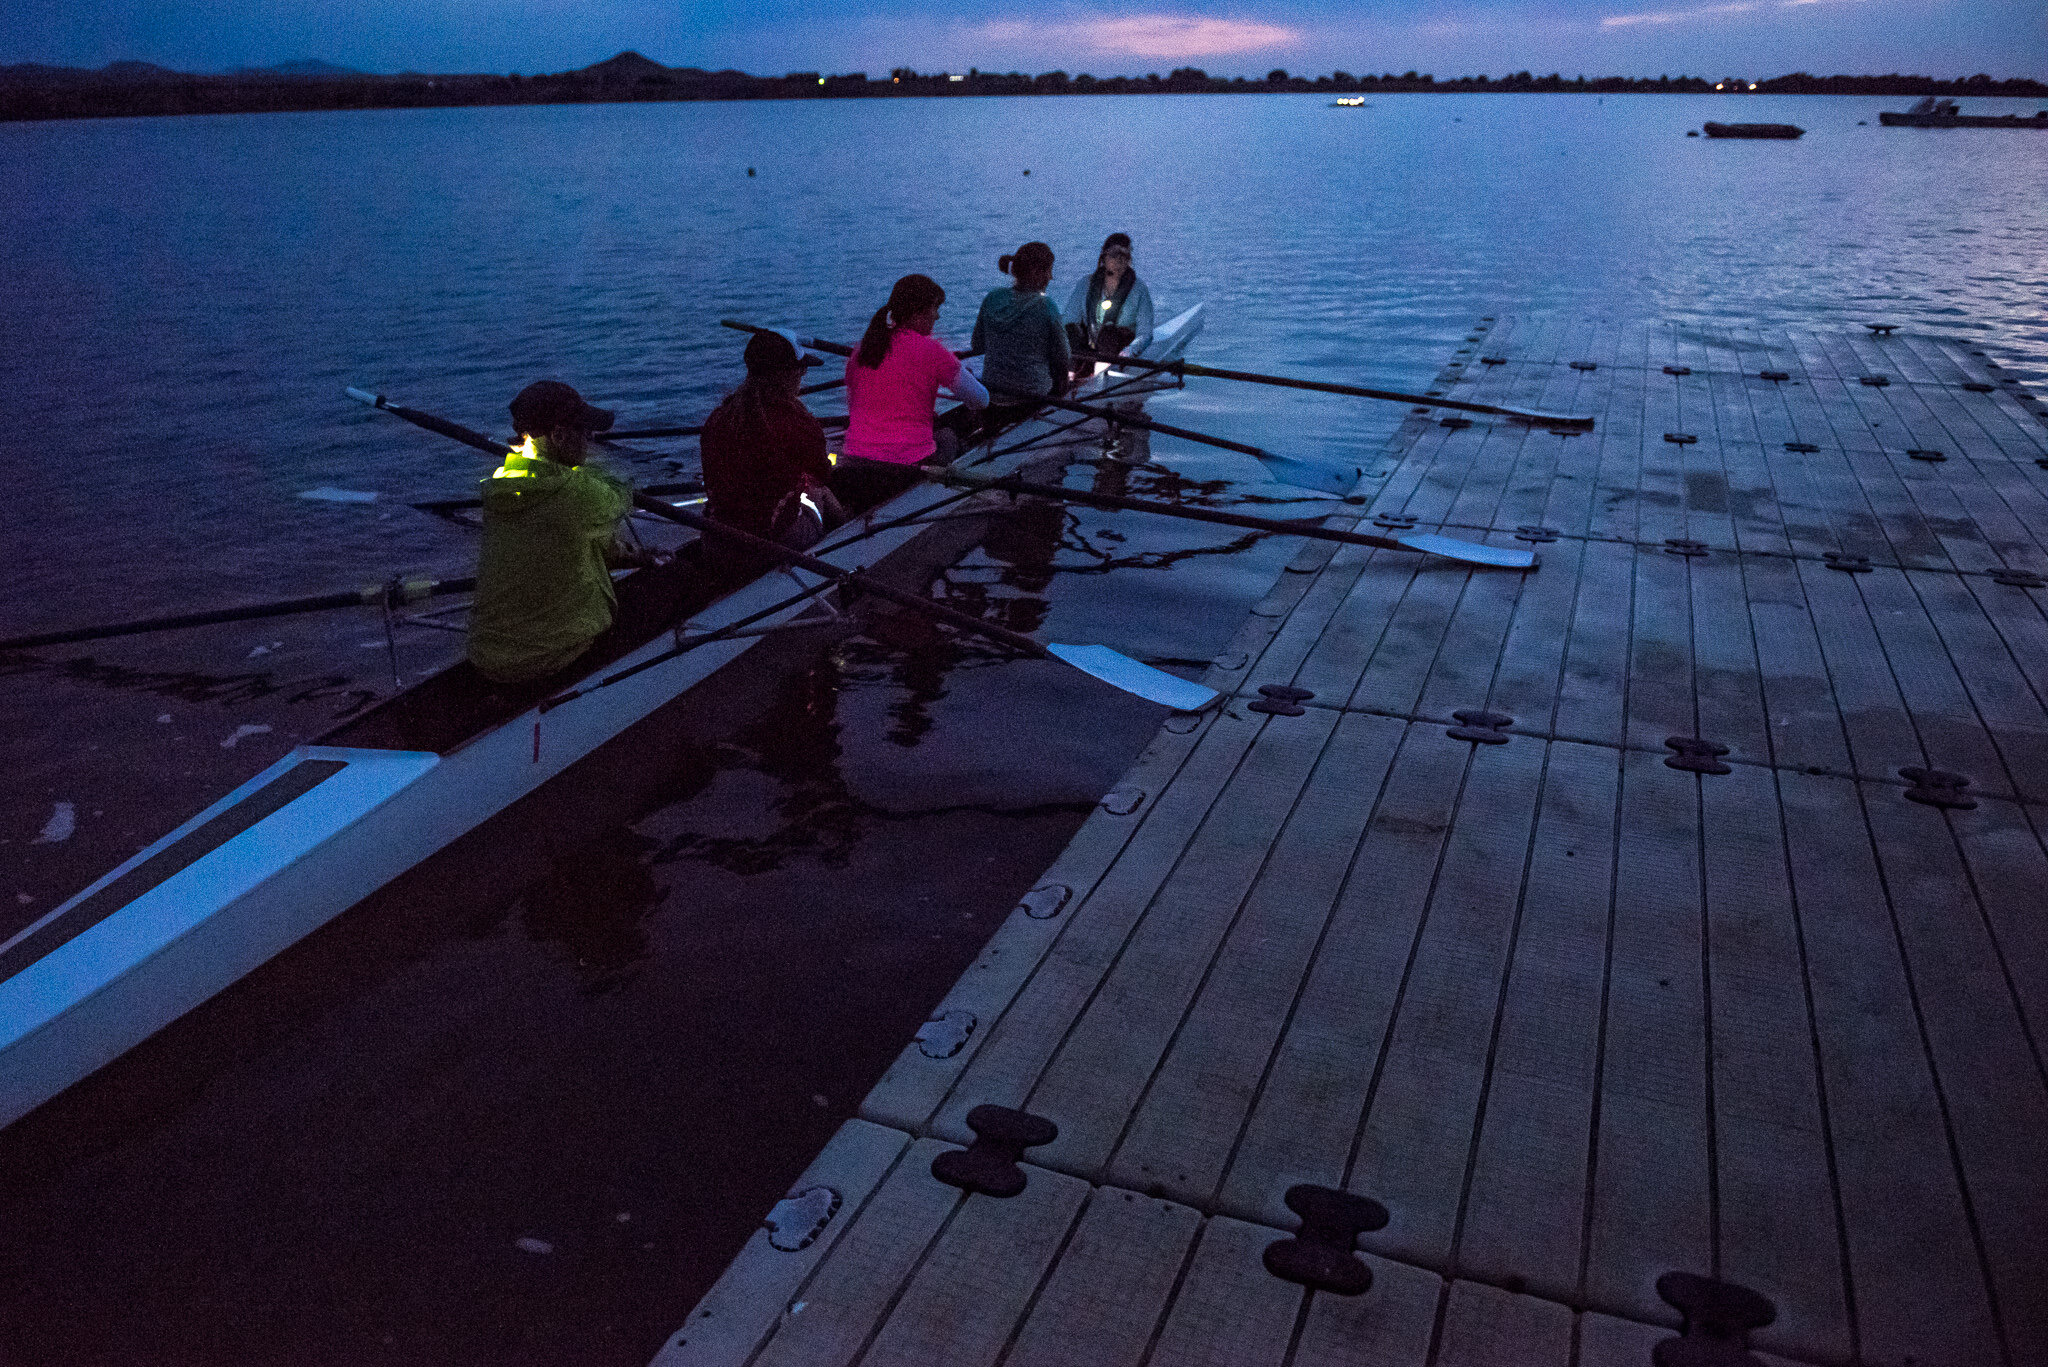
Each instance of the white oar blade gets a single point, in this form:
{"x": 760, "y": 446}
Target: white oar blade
{"x": 1470, "y": 552}
{"x": 1121, "y": 671}
{"x": 1336, "y": 480}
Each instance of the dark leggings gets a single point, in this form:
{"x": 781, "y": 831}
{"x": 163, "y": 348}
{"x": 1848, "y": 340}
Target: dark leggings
{"x": 861, "y": 484}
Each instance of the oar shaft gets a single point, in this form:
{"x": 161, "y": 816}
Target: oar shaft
{"x": 1355, "y": 391}
{"x": 467, "y": 436}
{"x": 370, "y": 596}
{"x": 1148, "y": 425}
{"x": 638, "y": 433}
{"x": 778, "y": 551}
{"x": 1283, "y": 527}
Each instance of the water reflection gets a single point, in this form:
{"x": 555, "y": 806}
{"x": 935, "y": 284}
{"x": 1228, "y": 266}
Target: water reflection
{"x": 593, "y": 906}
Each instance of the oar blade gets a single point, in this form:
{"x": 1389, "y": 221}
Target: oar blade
{"x": 1470, "y": 552}
{"x": 1121, "y": 671}
{"x": 1334, "y": 480}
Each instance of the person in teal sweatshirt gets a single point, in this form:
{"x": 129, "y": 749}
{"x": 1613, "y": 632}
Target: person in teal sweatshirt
{"x": 1020, "y": 330}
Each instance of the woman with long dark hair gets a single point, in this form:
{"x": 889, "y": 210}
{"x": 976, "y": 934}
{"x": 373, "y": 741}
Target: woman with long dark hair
{"x": 1111, "y": 309}
{"x": 1019, "y": 328}
{"x": 765, "y": 469}
{"x": 893, "y": 381}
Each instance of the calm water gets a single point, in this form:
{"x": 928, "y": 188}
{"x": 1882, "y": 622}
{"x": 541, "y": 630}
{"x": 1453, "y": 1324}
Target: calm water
{"x": 186, "y": 298}
{"x": 623, "y": 1054}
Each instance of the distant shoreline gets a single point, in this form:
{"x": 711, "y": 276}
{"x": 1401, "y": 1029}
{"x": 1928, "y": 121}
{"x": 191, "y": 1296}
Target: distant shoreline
{"x": 135, "y": 89}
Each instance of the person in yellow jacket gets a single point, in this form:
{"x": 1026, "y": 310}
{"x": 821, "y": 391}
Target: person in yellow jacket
{"x": 551, "y": 518}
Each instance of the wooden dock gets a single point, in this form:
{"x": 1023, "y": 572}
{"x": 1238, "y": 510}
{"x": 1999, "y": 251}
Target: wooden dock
{"x": 1679, "y": 906}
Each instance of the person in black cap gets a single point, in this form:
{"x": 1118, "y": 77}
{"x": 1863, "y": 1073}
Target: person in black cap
{"x": 551, "y": 518}
{"x": 765, "y": 466}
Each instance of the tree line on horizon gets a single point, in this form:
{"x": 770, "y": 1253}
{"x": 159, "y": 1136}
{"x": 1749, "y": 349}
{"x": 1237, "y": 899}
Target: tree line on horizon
{"x": 138, "y": 88}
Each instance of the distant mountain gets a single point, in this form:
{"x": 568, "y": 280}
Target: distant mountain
{"x": 305, "y": 67}
{"x": 628, "y": 68}
{"x": 113, "y": 73}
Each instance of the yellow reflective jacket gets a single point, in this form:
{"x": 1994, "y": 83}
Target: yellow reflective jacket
{"x": 543, "y": 591}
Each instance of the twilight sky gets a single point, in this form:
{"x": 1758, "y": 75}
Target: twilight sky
{"x": 1110, "y": 37}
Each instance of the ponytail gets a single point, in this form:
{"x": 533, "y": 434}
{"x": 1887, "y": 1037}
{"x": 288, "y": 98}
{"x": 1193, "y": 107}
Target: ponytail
{"x": 1030, "y": 265}
{"x": 912, "y": 295}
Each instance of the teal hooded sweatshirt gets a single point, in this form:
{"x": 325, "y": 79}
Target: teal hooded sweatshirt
{"x": 1026, "y": 344}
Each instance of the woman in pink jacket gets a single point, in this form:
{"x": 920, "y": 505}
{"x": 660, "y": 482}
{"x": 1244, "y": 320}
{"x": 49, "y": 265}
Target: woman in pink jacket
{"x": 893, "y": 381}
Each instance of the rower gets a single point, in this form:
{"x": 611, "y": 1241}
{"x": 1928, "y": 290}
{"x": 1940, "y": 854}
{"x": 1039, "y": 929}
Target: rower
{"x": 765, "y": 467}
{"x": 1110, "y": 308}
{"x": 551, "y": 518}
{"x": 1020, "y": 329}
{"x": 892, "y": 385}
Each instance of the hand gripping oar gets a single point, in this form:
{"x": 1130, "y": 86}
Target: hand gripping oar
{"x": 390, "y": 594}
{"x": 1356, "y": 391}
{"x": 1469, "y": 552}
{"x": 1119, "y": 671}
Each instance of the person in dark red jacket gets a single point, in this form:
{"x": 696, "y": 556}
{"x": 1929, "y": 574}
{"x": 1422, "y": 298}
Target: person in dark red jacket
{"x": 765, "y": 467}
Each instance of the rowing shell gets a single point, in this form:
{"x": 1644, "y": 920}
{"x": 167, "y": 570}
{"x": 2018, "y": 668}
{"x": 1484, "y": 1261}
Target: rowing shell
{"x": 329, "y": 824}
{"x": 1168, "y": 343}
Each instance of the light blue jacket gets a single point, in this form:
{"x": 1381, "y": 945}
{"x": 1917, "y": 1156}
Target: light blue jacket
{"x": 1136, "y": 313}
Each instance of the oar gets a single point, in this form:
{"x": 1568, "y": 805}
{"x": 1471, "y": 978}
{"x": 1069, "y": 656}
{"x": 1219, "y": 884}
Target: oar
{"x": 467, "y": 436}
{"x": 390, "y": 594}
{"x": 1469, "y": 552}
{"x": 1117, "y": 670}
{"x": 1356, "y": 391}
{"x": 1306, "y": 474}
{"x": 1329, "y": 479}
{"x": 1105, "y": 664}
{"x": 640, "y": 433}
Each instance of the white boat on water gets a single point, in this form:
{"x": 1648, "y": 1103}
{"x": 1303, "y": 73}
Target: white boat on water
{"x": 330, "y": 823}
{"x": 1169, "y": 343}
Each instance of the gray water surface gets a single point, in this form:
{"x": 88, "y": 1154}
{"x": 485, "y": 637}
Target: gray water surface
{"x": 187, "y": 297}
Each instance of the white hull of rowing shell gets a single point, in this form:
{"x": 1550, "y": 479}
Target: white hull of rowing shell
{"x": 197, "y": 931}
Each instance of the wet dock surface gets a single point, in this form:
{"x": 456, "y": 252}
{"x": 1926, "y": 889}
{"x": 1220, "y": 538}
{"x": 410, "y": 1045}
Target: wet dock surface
{"x": 1676, "y": 907}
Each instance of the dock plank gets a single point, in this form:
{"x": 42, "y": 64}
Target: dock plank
{"x": 1524, "y": 1214}
{"x": 1230, "y": 1311}
{"x": 1411, "y": 1152}
{"x": 1775, "y": 1211}
{"x": 1487, "y": 1327}
{"x": 963, "y": 1301}
{"x": 1651, "y": 1178}
{"x": 1919, "y": 1293}
{"x": 1322, "y": 1075}
{"x": 1179, "y": 1139}
{"x": 1111, "y": 1286}
{"x": 1112, "y": 1045}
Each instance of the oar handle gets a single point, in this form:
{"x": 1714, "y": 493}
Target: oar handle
{"x": 466, "y": 435}
{"x": 778, "y": 551}
{"x": 1178, "y": 367}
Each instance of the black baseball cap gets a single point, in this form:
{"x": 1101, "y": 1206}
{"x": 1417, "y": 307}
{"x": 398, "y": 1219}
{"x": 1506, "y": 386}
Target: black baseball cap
{"x": 545, "y": 405}
{"x": 778, "y": 349}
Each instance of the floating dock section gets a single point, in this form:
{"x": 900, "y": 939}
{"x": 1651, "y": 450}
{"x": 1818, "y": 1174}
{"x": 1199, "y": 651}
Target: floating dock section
{"x": 1680, "y": 907}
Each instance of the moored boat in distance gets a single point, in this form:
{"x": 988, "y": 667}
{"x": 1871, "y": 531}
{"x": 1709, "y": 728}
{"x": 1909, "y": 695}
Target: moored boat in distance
{"x": 1348, "y": 102}
{"x": 1753, "y": 130}
{"x": 1931, "y": 112}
